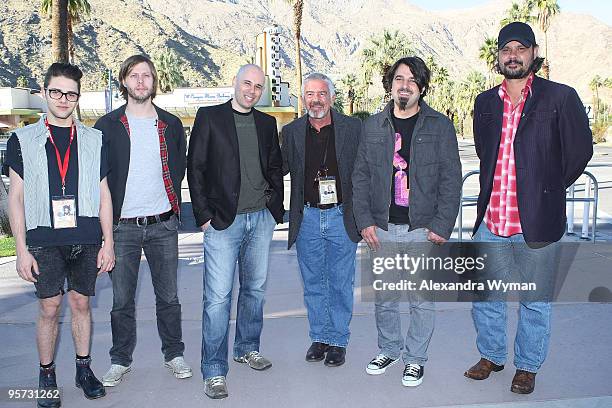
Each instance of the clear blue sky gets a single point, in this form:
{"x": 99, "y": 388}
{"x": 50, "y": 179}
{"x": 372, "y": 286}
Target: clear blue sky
{"x": 602, "y": 9}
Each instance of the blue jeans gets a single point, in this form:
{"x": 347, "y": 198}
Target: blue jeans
{"x": 246, "y": 242}
{"x": 388, "y": 319}
{"x": 326, "y": 256}
{"x": 160, "y": 244}
{"x": 490, "y": 318}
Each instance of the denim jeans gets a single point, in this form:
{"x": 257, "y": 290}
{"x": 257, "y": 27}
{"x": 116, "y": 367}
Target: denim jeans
{"x": 326, "y": 256}
{"x": 422, "y": 312}
{"x": 160, "y": 244}
{"x": 490, "y": 318}
{"x": 246, "y": 242}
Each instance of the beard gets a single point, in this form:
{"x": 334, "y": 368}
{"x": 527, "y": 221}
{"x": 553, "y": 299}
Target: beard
{"x": 519, "y": 73}
{"x": 402, "y": 101}
{"x": 142, "y": 98}
{"x": 320, "y": 114}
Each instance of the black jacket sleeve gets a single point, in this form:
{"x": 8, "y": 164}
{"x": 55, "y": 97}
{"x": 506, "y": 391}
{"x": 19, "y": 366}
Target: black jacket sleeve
{"x": 576, "y": 137}
{"x": 197, "y": 160}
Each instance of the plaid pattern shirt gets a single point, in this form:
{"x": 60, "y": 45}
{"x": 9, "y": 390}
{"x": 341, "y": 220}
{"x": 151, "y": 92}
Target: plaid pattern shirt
{"x": 163, "y": 152}
{"x": 502, "y": 214}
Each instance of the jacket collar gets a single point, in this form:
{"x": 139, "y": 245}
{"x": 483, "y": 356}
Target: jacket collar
{"x": 162, "y": 115}
{"x": 42, "y": 129}
{"x": 387, "y": 113}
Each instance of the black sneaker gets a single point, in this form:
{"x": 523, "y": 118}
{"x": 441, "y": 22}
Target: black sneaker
{"x": 379, "y": 364}
{"x": 413, "y": 375}
{"x": 47, "y": 382}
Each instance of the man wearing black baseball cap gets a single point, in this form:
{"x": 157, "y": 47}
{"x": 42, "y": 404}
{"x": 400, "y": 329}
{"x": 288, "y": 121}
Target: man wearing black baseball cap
{"x": 521, "y": 205}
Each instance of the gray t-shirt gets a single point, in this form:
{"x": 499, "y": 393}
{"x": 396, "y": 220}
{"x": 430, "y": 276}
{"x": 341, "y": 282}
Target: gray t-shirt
{"x": 253, "y": 185}
{"x": 145, "y": 193}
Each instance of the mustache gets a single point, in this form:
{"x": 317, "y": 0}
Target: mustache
{"x": 513, "y": 61}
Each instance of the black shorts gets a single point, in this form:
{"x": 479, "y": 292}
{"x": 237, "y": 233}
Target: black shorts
{"x": 76, "y": 263}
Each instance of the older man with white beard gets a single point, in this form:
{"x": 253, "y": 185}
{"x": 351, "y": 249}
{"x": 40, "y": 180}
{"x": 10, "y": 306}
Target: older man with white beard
{"x": 319, "y": 150}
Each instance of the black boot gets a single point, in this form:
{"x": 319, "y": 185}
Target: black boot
{"x": 48, "y": 384}
{"x": 87, "y": 381}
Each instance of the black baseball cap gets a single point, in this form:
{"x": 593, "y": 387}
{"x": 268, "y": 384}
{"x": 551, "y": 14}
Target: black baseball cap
{"x": 516, "y": 31}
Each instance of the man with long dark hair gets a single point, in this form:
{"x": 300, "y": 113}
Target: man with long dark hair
{"x": 533, "y": 140}
{"x": 406, "y": 189}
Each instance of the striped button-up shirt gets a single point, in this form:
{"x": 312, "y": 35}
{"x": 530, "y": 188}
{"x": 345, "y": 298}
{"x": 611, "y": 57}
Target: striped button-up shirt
{"x": 502, "y": 214}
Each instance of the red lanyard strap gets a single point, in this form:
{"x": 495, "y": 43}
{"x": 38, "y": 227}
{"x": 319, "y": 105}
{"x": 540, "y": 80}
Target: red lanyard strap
{"x": 62, "y": 165}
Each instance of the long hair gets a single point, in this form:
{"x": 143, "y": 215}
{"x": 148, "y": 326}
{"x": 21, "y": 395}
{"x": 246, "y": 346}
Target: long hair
{"x": 126, "y": 68}
{"x": 419, "y": 70}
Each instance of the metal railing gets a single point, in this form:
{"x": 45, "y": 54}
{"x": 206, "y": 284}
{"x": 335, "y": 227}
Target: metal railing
{"x": 591, "y": 184}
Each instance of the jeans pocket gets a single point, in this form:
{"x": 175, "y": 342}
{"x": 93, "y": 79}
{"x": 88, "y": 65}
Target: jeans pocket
{"x": 116, "y": 226}
{"x": 171, "y": 224}
{"x": 340, "y": 209}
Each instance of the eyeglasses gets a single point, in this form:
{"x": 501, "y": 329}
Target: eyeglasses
{"x": 57, "y": 94}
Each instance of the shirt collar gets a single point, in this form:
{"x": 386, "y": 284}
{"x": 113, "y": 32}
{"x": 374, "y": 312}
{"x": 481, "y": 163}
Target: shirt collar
{"x": 526, "y": 90}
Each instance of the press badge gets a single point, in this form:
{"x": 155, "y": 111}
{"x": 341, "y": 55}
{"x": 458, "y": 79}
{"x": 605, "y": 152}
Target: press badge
{"x": 327, "y": 190}
{"x": 64, "y": 212}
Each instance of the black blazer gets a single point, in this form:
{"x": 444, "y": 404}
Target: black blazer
{"x": 118, "y": 141}
{"x": 552, "y": 147}
{"x": 213, "y": 165}
{"x": 346, "y": 135}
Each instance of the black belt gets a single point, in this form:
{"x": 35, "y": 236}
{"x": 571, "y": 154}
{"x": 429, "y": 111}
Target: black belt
{"x": 321, "y": 206}
{"x": 151, "y": 219}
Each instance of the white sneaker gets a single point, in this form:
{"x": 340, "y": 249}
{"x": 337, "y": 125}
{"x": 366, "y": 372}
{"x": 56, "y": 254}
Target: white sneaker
{"x": 179, "y": 367}
{"x": 413, "y": 375}
{"x": 216, "y": 387}
{"x": 114, "y": 375}
{"x": 379, "y": 364}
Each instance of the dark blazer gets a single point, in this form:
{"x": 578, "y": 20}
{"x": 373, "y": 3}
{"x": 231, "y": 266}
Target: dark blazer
{"x": 552, "y": 146}
{"x": 346, "y": 134}
{"x": 213, "y": 165}
{"x": 116, "y": 135}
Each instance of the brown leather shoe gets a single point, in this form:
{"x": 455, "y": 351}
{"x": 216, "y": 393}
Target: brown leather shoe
{"x": 482, "y": 369}
{"x": 523, "y": 382}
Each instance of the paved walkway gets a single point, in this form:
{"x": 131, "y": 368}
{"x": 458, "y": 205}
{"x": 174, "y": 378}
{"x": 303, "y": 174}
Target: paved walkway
{"x": 576, "y": 374}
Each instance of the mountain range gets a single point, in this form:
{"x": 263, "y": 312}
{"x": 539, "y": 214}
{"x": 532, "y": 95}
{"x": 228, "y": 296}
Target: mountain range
{"x": 213, "y": 38}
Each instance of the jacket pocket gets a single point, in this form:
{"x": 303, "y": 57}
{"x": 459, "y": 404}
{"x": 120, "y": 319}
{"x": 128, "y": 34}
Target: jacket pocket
{"x": 425, "y": 147}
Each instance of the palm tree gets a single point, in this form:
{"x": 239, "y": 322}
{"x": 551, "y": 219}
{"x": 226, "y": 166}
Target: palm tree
{"x": 59, "y": 31}
{"x": 474, "y": 84}
{"x": 169, "y": 72}
{"x": 349, "y": 85}
{"x": 595, "y": 84}
{"x": 77, "y": 9}
{"x": 546, "y": 10}
{"x": 382, "y": 53}
{"x": 488, "y": 53}
{"x": 518, "y": 12}
{"x": 298, "y": 9}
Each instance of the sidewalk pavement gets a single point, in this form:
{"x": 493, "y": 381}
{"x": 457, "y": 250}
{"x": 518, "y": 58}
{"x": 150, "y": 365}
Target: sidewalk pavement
{"x": 576, "y": 374}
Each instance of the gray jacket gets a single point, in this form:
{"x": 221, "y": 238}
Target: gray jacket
{"x": 346, "y": 133}
{"x": 32, "y": 140}
{"x": 434, "y": 174}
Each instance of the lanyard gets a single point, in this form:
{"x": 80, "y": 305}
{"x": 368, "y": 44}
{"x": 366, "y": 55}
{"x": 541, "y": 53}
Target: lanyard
{"x": 62, "y": 165}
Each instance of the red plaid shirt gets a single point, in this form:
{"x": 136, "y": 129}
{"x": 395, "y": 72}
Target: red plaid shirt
{"x": 163, "y": 153}
{"x": 502, "y": 215}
